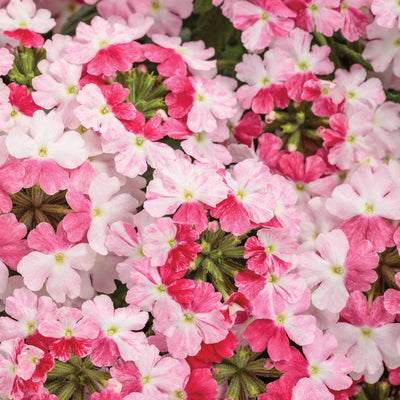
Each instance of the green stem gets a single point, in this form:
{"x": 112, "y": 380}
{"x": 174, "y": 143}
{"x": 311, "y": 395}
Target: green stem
{"x": 226, "y": 64}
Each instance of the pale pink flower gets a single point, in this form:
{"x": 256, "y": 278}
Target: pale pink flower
{"x": 172, "y": 55}
{"x": 265, "y": 80}
{"x": 72, "y": 331}
{"x": 6, "y": 61}
{"x": 350, "y": 139}
{"x": 138, "y": 148}
{"x": 340, "y": 267}
{"x": 316, "y": 219}
{"x": 185, "y": 186}
{"x": 307, "y": 62}
{"x": 383, "y": 48}
{"x": 321, "y": 15}
{"x": 361, "y": 94}
{"x": 198, "y": 321}
{"x": 355, "y": 20}
{"x": 94, "y": 214}
{"x": 387, "y": 13}
{"x": 326, "y": 371}
{"x": 272, "y": 249}
{"x": 47, "y": 151}
{"x": 262, "y": 20}
{"x": 204, "y": 146}
{"x": 167, "y": 14}
{"x": 203, "y": 100}
{"x": 367, "y": 336}
{"x": 21, "y": 21}
{"x": 364, "y": 203}
{"x": 158, "y": 375}
{"x": 58, "y": 87}
{"x": 116, "y": 336}
{"x": 102, "y": 108}
{"x": 285, "y": 214}
{"x": 28, "y": 312}
{"x": 249, "y": 201}
{"x": 306, "y": 57}
{"x": 56, "y": 261}
{"x": 105, "y": 47}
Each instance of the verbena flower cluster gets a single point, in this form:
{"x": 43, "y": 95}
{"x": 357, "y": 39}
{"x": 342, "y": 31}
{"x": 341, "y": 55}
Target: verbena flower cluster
{"x": 199, "y": 199}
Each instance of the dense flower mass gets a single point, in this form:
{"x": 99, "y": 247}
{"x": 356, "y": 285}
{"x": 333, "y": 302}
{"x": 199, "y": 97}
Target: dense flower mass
{"x": 199, "y": 199}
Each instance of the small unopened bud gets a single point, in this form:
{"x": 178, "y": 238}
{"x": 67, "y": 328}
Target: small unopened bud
{"x": 292, "y": 147}
{"x": 142, "y": 68}
{"x": 213, "y": 226}
{"x": 270, "y": 117}
{"x": 160, "y": 113}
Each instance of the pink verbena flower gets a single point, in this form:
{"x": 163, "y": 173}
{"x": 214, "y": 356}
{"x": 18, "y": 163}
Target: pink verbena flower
{"x": 201, "y": 99}
{"x": 355, "y": 20}
{"x": 56, "y": 261}
{"x": 138, "y": 148}
{"x": 260, "y": 21}
{"x": 72, "y": 331}
{"x": 387, "y": 39}
{"x": 57, "y": 87}
{"x": 21, "y": 21}
{"x": 350, "y": 139}
{"x": 94, "y": 213}
{"x": 169, "y": 244}
{"x": 307, "y": 62}
{"x": 28, "y": 312}
{"x": 47, "y": 151}
{"x": 320, "y": 371}
{"x": 340, "y": 267}
{"x": 249, "y": 201}
{"x": 361, "y": 95}
{"x": 173, "y": 57}
{"x": 103, "y": 109}
{"x": 278, "y": 325}
{"x": 6, "y": 61}
{"x": 185, "y": 186}
{"x": 387, "y": 13}
{"x": 159, "y": 290}
{"x": 198, "y": 321}
{"x": 272, "y": 249}
{"x": 364, "y": 203}
{"x": 167, "y": 14}
{"x": 116, "y": 337}
{"x": 23, "y": 368}
{"x": 367, "y": 335}
{"x": 23, "y": 107}
{"x": 105, "y": 47}
{"x": 306, "y": 175}
{"x": 319, "y": 14}
{"x": 328, "y": 97}
{"x": 265, "y": 80}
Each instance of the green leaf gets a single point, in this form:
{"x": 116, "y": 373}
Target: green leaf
{"x": 392, "y": 95}
{"x": 355, "y": 57}
{"x": 214, "y": 29}
{"x": 201, "y": 6}
{"x": 84, "y": 14}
